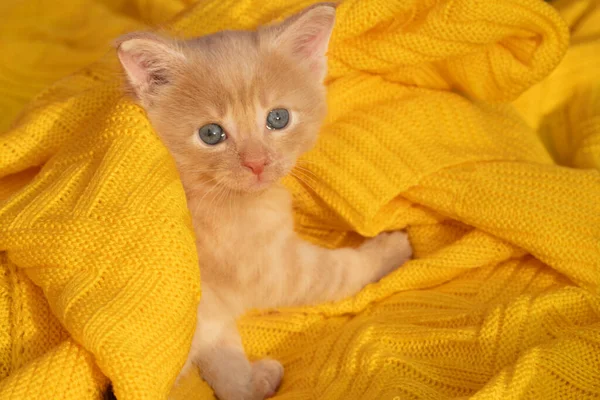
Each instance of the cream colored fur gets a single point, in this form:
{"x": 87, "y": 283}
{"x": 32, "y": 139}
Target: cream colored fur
{"x": 249, "y": 253}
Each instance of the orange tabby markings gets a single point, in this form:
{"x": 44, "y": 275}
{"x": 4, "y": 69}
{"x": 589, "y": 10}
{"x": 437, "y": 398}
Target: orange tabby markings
{"x": 236, "y": 110}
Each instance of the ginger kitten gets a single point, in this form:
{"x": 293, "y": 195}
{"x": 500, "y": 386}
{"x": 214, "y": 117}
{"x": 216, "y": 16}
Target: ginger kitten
{"x": 236, "y": 110}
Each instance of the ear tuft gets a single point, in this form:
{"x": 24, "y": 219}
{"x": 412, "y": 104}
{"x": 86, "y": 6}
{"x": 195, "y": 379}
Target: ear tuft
{"x": 148, "y": 60}
{"x": 306, "y": 36}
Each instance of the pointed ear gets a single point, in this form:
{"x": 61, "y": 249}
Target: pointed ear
{"x": 306, "y": 36}
{"x": 149, "y": 61}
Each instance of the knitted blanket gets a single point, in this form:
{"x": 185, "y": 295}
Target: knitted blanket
{"x": 99, "y": 276}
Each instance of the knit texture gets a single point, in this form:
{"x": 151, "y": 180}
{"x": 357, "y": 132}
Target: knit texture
{"x": 99, "y": 272}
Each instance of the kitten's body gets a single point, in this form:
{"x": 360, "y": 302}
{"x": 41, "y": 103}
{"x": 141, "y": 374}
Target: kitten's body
{"x": 249, "y": 253}
{"x": 244, "y": 225}
{"x": 252, "y": 258}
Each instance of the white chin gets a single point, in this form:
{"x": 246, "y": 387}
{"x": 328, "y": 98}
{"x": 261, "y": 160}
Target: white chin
{"x": 257, "y": 185}
{"x": 251, "y": 184}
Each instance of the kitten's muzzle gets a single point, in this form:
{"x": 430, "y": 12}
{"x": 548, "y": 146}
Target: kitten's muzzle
{"x": 257, "y": 166}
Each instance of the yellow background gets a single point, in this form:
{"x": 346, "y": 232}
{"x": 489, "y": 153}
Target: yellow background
{"x": 501, "y": 202}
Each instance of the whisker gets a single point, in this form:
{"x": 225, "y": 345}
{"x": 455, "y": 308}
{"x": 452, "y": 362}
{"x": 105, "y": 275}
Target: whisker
{"x": 313, "y": 178}
{"x": 210, "y": 180}
{"x": 219, "y": 199}
{"x": 231, "y": 213}
{"x": 306, "y": 171}
{"x": 276, "y": 162}
{"x": 209, "y": 191}
{"x": 306, "y": 162}
{"x": 213, "y": 209}
{"x": 200, "y": 170}
{"x": 303, "y": 181}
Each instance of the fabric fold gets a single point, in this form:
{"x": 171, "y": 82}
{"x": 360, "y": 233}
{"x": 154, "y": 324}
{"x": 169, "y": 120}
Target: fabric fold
{"x": 100, "y": 277}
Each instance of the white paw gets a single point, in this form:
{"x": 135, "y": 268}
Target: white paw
{"x": 266, "y": 378}
{"x": 392, "y": 249}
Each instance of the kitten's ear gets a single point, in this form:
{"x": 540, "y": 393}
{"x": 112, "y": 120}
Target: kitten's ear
{"x": 149, "y": 61}
{"x": 306, "y": 36}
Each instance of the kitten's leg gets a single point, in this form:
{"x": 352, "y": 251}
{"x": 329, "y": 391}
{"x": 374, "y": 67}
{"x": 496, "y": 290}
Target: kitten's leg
{"x": 322, "y": 275}
{"x": 217, "y": 349}
{"x": 226, "y": 369}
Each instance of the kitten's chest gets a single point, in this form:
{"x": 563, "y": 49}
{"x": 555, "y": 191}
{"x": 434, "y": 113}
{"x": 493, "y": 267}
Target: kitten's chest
{"x": 244, "y": 238}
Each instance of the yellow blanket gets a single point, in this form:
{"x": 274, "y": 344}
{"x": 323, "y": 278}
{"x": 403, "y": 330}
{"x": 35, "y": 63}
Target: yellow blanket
{"x": 502, "y": 203}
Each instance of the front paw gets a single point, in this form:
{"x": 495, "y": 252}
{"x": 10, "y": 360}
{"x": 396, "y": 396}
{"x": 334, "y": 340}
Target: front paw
{"x": 266, "y": 377}
{"x": 391, "y": 249}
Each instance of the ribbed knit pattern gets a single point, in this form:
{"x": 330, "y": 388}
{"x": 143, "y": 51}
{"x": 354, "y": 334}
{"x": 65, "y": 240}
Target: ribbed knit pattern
{"x": 502, "y": 204}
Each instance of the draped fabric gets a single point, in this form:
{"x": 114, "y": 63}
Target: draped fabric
{"x": 473, "y": 125}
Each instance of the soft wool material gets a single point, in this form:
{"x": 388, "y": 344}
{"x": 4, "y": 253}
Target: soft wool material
{"x": 100, "y": 275}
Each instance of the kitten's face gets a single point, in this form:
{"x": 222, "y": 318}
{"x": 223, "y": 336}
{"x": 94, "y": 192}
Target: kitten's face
{"x": 218, "y": 115}
{"x": 236, "y": 109}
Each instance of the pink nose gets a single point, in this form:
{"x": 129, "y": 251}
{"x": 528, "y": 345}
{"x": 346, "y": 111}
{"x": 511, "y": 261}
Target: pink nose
{"x": 256, "y": 166}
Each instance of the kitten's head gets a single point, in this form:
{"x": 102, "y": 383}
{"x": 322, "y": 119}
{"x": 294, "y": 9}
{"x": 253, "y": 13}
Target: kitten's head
{"x": 236, "y": 109}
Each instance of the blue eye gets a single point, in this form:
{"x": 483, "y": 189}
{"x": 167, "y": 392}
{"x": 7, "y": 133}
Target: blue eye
{"x": 278, "y": 118}
{"x": 212, "y": 134}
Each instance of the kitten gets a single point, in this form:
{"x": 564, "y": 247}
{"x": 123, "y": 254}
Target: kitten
{"x": 236, "y": 110}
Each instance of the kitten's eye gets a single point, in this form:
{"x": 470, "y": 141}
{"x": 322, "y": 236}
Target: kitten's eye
{"x": 212, "y": 134}
{"x": 278, "y": 118}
